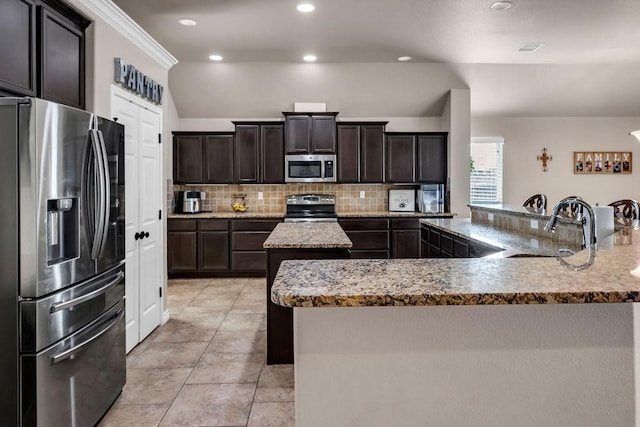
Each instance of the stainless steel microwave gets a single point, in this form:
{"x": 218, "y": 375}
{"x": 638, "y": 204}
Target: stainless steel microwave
{"x": 310, "y": 168}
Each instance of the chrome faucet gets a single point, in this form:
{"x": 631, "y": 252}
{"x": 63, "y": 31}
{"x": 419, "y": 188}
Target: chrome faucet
{"x": 588, "y": 223}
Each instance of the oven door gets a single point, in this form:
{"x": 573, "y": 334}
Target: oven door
{"x": 74, "y": 382}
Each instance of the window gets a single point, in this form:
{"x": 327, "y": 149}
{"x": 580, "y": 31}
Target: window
{"x": 486, "y": 170}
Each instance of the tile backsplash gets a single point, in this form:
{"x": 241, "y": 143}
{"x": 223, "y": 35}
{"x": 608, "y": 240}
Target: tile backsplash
{"x": 220, "y": 197}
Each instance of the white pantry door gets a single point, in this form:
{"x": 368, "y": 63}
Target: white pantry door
{"x": 143, "y": 271}
{"x": 150, "y": 278}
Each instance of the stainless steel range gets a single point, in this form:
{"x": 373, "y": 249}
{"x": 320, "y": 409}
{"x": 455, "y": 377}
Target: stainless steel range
{"x": 311, "y": 208}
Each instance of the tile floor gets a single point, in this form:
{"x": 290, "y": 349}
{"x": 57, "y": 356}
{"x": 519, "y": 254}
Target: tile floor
{"x": 205, "y": 366}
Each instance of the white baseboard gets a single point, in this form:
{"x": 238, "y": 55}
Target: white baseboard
{"x": 165, "y": 317}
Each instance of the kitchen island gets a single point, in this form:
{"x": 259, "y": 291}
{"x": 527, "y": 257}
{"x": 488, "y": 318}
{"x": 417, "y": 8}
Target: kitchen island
{"x": 296, "y": 240}
{"x": 457, "y": 342}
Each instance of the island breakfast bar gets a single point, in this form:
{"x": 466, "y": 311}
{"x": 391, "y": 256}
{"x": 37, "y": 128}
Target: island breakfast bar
{"x": 296, "y": 240}
{"x": 460, "y": 342}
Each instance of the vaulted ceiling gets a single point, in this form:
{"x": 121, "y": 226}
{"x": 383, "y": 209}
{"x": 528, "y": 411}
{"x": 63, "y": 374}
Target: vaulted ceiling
{"x": 587, "y": 66}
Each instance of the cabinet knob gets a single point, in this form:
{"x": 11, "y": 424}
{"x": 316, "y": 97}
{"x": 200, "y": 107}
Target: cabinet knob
{"x": 138, "y": 236}
{"x": 145, "y": 234}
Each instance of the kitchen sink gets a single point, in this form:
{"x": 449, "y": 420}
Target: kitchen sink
{"x": 557, "y": 254}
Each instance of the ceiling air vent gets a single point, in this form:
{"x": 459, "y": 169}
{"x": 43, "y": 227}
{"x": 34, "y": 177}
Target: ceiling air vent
{"x": 529, "y": 47}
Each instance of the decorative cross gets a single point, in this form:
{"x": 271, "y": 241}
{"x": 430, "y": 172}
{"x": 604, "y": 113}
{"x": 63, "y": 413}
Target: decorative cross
{"x": 544, "y": 159}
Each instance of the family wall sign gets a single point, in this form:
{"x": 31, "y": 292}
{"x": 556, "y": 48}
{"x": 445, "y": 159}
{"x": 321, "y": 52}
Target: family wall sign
{"x": 601, "y": 162}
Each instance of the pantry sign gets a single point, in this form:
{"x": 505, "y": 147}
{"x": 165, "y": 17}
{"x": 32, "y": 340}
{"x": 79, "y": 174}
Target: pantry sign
{"x": 601, "y": 162}
{"x": 137, "y": 82}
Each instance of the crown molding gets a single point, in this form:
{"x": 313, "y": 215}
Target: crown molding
{"x": 118, "y": 19}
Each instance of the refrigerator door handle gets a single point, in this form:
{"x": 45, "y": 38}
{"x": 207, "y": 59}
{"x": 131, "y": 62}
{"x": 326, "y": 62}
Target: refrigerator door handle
{"x": 69, "y": 353}
{"x": 107, "y": 191}
{"x": 100, "y": 208}
{"x": 73, "y": 302}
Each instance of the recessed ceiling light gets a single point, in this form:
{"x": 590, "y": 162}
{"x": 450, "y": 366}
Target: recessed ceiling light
{"x": 501, "y": 5}
{"x": 215, "y": 57}
{"x": 305, "y": 7}
{"x": 188, "y": 22}
{"x": 529, "y": 47}
{"x": 309, "y": 58}
{"x": 405, "y": 58}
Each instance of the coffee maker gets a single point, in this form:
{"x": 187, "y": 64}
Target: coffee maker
{"x": 190, "y": 201}
{"x": 431, "y": 198}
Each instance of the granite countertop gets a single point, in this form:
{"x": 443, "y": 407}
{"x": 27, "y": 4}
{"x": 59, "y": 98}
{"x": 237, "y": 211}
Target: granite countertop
{"x": 614, "y": 277}
{"x": 306, "y": 235}
{"x": 461, "y": 281}
{"x": 249, "y": 214}
{"x": 224, "y": 215}
{"x": 507, "y": 242}
{"x": 388, "y": 214}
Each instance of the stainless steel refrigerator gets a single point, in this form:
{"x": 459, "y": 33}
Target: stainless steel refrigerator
{"x": 62, "y": 361}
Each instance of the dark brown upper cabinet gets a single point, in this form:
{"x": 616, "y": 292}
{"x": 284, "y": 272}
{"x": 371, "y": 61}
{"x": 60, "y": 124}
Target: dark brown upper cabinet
{"x": 432, "y": 158}
{"x": 360, "y": 152}
{"x": 18, "y": 47}
{"x": 248, "y": 150}
{"x": 416, "y": 157}
{"x": 310, "y": 133}
{"x": 42, "y": 53}
{"x": 187, "y": 159}
{"x": 401, "y": 158}
{"x": 203, "y": 158}
{"x": 61, "y": 60}
{"x": 259, "y": 152}
{"x": 272, "y": 150}
{"x": 218, "y": 159}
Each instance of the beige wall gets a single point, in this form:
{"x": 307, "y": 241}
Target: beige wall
{"x": 456, "y": 120}
{"x": 396, "y": 124}
{"x": 524, "y": 139}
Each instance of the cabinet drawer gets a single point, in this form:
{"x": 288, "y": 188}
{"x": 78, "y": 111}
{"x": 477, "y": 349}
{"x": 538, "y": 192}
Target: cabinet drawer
{"x": 446, "y": 243}
{"x": 405, "y": 223}
{"x": 214, "y": 224}
{"x": 369, "y": 239}
{"x": 364, "y": 224}
{"x": 249, "y": 261}
{"x": 181, "y": 225}
{"x": 254, "y": 224}
{"x": 248, "y": 241}
{"x": 424, "y": 233}
{"x": 370, "y": 254}
{"x": 460, "y": 249}
{"x": 434, "y": 237}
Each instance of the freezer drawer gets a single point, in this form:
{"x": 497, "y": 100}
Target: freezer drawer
{"x": 47, "y": 320}
{"x": 74, "y": 382}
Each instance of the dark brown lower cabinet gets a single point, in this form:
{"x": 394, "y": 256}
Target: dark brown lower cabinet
{"x": 405, "y": 238}
{"x": 182, "y": 245}
{"x": 213, "y": 251}
{"x": 217, "y": 247}
{"x": 436, "y": 243}
{"x": 182, "y": 251}
{"x": 247, "y": 237}
{"x": 370, "y": 237}
{"x": 280, "y": 319}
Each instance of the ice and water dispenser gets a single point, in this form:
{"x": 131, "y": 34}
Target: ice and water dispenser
{"x": 62, "y": 230}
